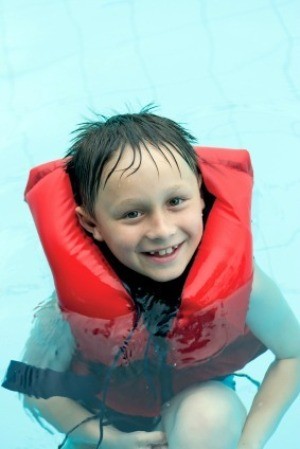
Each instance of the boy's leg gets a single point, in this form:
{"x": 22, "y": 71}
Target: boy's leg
{"x": 208, "y": 415}
{"x": 70, "y": 445}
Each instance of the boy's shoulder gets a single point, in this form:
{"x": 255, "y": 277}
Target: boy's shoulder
{"x": 50, "y": 343}
{"x": 271, "y": 319}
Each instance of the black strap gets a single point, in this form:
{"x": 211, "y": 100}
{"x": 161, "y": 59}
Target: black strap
{"x": 45, "y": 383}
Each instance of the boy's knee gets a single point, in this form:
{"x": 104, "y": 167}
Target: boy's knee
{"x": 209, "y": 414}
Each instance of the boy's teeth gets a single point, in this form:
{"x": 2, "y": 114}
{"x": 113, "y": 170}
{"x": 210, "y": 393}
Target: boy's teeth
{"x": 163, "y": 252}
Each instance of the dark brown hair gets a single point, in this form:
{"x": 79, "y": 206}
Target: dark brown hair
{"x": 96, "y": 142}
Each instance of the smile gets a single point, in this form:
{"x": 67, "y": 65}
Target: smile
{"x": 163, "y": 252}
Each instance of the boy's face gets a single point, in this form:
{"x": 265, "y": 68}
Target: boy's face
{"x": 151, "y": 220}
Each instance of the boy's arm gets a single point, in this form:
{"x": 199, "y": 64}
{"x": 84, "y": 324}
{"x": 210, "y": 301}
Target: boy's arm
{"x": 272, "y": 321}
{"x": 51, "y": 345}
{"x": 64, "y": 414}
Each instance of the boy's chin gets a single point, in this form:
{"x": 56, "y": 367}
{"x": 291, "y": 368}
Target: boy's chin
{"x": 164, "y": 277}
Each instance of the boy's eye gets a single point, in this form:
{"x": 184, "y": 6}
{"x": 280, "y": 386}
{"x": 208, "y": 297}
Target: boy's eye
{"x": 176, "y": 201}
{"x": 132, "y": 214}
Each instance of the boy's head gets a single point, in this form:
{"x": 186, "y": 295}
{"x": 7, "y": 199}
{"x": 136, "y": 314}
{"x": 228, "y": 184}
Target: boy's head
{"x": 136, "y": 182}
{"x": 97, "y": 142}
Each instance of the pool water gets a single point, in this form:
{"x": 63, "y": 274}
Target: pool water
{"x": 227, "y": 70}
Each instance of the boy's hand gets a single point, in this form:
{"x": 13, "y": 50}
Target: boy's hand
{"x": 140, "y": 440}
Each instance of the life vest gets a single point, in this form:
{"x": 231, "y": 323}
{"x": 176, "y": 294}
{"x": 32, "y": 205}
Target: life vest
{"x": 208, "y": 338}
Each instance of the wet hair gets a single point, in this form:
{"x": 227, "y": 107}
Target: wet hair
{"x": 96, "y": 142}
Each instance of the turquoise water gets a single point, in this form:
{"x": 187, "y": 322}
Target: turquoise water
{"x": 229, "y": 70}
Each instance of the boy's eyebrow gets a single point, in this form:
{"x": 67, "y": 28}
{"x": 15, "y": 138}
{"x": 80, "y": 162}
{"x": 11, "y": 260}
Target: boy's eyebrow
{"x": 129, "y": 202}
{"x": 140, "y": 201}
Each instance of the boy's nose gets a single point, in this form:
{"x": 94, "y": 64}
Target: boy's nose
{"x": 161, "y": 226}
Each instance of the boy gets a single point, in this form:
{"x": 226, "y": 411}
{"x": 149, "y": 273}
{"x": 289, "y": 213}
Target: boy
{"x": 158, "y": 301}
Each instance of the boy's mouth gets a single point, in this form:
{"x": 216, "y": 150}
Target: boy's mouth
{"x": 163, "y": 252}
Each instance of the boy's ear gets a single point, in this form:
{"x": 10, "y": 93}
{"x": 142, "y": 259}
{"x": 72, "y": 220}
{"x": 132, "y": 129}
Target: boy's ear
{"x": 200, "y": 183}
{"x": 199, "y": 178}
{"x": 88, "y": 223}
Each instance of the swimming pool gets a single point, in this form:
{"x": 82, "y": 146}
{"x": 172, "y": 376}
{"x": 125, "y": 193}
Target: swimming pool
{"x": 228, "y": 70}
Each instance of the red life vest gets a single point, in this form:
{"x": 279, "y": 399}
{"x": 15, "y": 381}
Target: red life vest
{"x": 208, "y": 337}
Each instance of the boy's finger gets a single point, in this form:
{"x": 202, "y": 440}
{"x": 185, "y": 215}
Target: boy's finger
{"x": 156, "y": 438}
